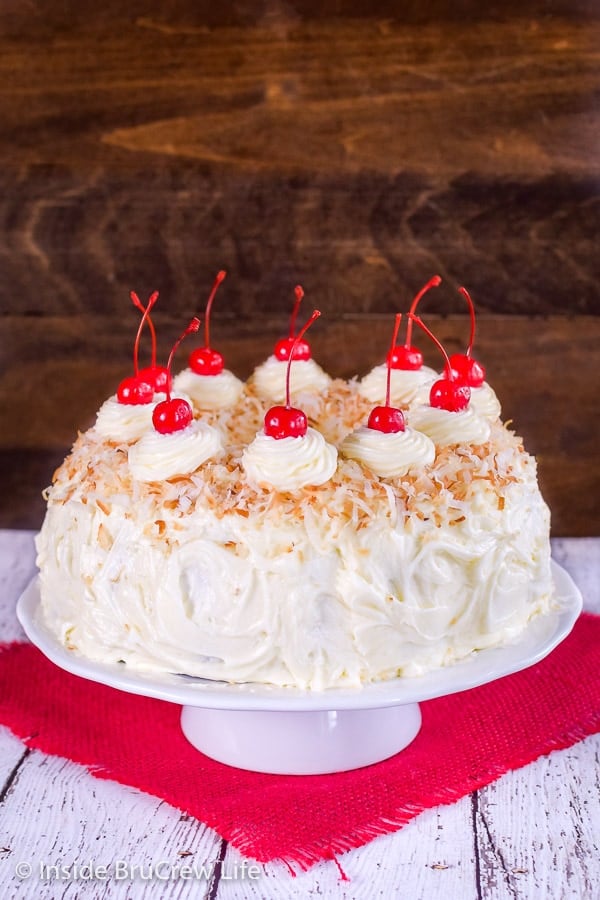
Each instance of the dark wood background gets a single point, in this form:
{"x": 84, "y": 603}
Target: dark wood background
{"x": 355, "y": 147}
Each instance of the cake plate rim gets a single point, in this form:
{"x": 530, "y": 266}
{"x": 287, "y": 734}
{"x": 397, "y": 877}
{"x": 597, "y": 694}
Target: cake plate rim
{"x": 541, "y": 637}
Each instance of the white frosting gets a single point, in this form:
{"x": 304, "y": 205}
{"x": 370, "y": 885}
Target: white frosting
{"x": 290, "y": 463}
{"x": 310, "y": 602}
{"x": 209, "y": 391}
{"x": 305, "y": 375}
{"x": 405, "y": 384}
{"x": 446, "y": 428}
{"x": 389, "y": 455}
{"x": 156, "y": 456}
{"x": 124, "y": 422}
{"x": 485, "y": 402}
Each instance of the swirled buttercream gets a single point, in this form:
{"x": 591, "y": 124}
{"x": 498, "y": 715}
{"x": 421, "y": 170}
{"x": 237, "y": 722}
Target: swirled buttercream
{"x": 305, "y": 375}
{"x": 157, "y": 457}
{"x": 124, "y": 422}
{"x": 389, "y": 455}
{"x": 485, "y": 402}
{"x": 404, "y": 384}
{"x": 446, "y": 428}
{"x": 209, "y": 391}
{"x": 290, "y": 463}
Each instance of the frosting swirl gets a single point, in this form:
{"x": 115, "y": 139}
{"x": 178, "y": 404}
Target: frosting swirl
{"x": 159, "y": 456}
{"x": 404, "y": 384}
{"x": 290, "y": 463}
{"x": 485, "y": 402}
{"x": 126, "y": 422}
{"x": 389, "y": 455}
{"x": 305, "y": 375}
{"x": 209, "y": 391}
{"x": 446, "y": 428}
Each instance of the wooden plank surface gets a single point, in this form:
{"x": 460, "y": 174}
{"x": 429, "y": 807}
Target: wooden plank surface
{"x": 358, "y": 150}
{"x": 531, "y": 835}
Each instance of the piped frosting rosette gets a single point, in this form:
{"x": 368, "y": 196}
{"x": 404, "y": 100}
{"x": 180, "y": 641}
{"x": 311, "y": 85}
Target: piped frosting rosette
{"x": 126, "y": 422}
{"x": 209, "y": 391}
{"x": 483, "y": 400}
{"x": 446, "y": 428}
{"x": 389, "y": 455}
{"x": 157, "y": 457}
{"x": 305, "y": 376}
{"x": 405, "y": 384}
{"x": 290, "y": 463}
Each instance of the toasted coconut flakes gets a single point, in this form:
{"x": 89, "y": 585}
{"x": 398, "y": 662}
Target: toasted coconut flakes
{"x": 98, "y": 471}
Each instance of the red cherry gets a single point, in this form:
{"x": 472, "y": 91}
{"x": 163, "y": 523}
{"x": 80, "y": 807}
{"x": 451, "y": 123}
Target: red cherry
{"x": 410, "y": 358}
{"x": 449, "y": 392}
{"x": 468, "y": 370}
{"x": 138, "y": 389}
{"x": 205, "y": 361}
{"x": 134, "y": 391}
{"x": 387, "y": 419}
{"x": 157, "y": 376}
{"x": 285, "y": 421}
{"x": 407, "y": 358}
{"x": 283, "y": 348}
{"x": 450, "y": 395}
{"x": 172, "y": 415}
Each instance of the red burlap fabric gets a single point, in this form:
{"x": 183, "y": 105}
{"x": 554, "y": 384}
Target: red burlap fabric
{"x": 467, "y": 740}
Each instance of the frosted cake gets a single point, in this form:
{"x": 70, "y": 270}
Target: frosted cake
{"x": 204, "y": 531}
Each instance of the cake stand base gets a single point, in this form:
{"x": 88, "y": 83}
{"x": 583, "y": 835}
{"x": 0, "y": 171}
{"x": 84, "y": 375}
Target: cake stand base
{"x": 301, "y": 742}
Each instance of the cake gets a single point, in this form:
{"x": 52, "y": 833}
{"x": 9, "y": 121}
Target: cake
{"x": 336, "y": 557}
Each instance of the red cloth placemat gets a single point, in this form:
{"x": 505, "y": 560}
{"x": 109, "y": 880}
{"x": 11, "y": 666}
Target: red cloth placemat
{"x": 467, "y": 740}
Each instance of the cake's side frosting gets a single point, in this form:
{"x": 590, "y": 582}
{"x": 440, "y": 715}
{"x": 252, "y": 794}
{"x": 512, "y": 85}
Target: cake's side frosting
{"x": 355, "y": 580}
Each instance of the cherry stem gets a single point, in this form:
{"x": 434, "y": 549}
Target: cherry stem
{"x": 299, "y": 295}
{"x": 220, "y": 277}
{"x": 136, "y": 346}
{"x": 300, "y": 335}
{"x": 467, "y": 297}
{"x": 139, "y": 305}
{"x": 433, "y": 282}
{"x": 193, "y": 326}
{"x": 422, "y": 325}
{"x": 389, "y": 361}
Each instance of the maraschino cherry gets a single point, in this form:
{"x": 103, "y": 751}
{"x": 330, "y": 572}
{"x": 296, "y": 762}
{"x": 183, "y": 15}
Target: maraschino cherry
{"x": 283, "y": 347}
{"x": 135, "y": 390}
{"x": 205, "y": 360}
{"x": 174, "y": 413}
{"x": 153, "y": 374}
{"x": 408, "y": 357}
{"x": 470, "y": 371}
{"x": 387, "y": 418}
{"x": 449, "y": 392}
{"x": 287, "y": 421}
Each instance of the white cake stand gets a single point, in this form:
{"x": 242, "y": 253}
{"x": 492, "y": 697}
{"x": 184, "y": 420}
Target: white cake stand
{"x": 288, "y": 731}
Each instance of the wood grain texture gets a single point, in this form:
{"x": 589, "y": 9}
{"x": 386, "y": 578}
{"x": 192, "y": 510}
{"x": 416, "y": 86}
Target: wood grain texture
{"x": 358, "y": 151}
{"x": 58, "y": 370}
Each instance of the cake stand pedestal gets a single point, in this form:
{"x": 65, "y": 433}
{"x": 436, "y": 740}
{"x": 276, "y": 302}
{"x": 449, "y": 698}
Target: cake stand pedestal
{"x": 294, "y": 732}
{"x": 301, "y": 743}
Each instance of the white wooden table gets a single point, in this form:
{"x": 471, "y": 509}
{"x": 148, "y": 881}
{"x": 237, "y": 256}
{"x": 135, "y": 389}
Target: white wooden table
{"x": 534, "y": 833}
